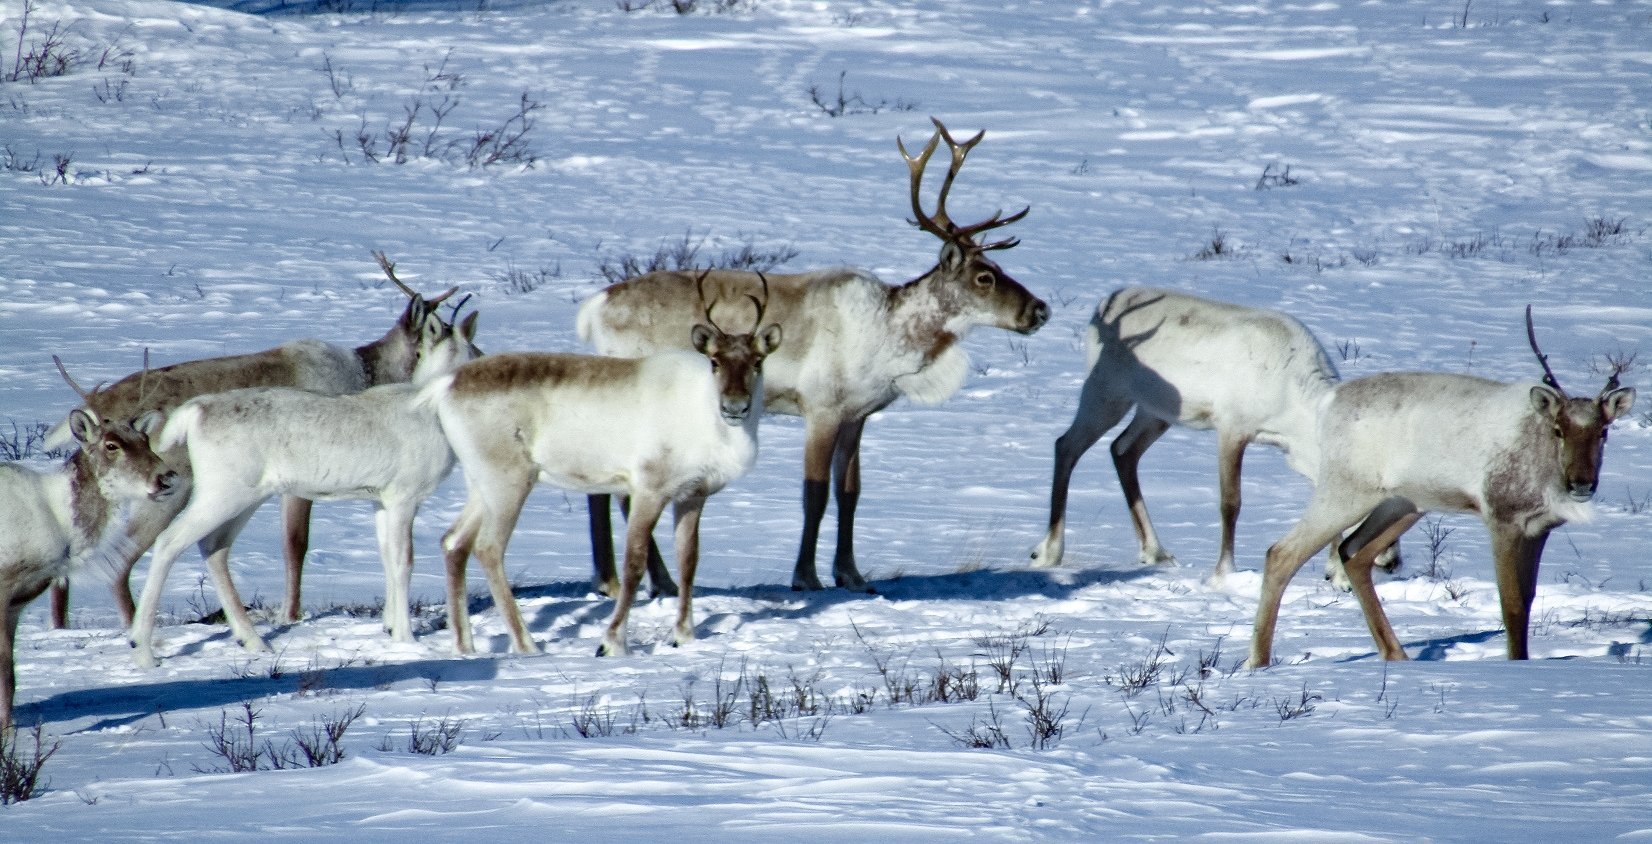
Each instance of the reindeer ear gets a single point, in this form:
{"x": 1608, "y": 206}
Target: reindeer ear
{"x": 769, "y": 339}
{"x": 149, "y": 424}
{"x": 1617, "y": 402}
{"x": 1546, "y": 401}
{"x": 83, "y": 424}
{"x": 467, "y": 326}
{"x": 952, "y": 256}
{"x": 432, "y": 331}
{"x": 702, "y": 337}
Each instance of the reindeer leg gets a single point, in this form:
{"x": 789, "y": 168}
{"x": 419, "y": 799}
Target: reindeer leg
{"x": 394, "y": 522}
{"x": 686, "y": 515}
{"x": 1326, "y": 517}
{"x": 215, "y": 548}
{"x": 604, "y": 580}
{"x": 1515, "y": 557}
{"x": 60, "y": 602}
{"x": 457, "y": 544}
{"x": 1128, "y": 449}
{"x": 645, "y": 513}
{"x": 846, "y": 477}
{"x": 659, "y": 578}
{"x": 1379, "y": 531}
{"x": 819, "y": 438}
{"x": 295, "y": 520}
{"x": 491, "y": 542}
{"x": 1230, "y": 459}
{"x": 1095, "y": 417}
{"x": 10, "y": 610}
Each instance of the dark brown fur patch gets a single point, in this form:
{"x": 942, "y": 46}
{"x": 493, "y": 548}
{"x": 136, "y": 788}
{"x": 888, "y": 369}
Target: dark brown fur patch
{"x": 525, "y": 369}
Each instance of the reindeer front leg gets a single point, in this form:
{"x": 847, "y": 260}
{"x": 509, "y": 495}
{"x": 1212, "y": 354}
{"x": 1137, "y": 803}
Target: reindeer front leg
{"x": 645, "y": 513}
{"x": 1515, "y": 557}
{"x": 686, "y": 515}
{"x": 820, "y": 438}
{"x": 846, "y": 475}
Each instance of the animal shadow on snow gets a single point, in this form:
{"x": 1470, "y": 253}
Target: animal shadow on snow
{"x": 579, "y": 606}
{"x": 117, "y": 706}
{"x": 572, "y": 604}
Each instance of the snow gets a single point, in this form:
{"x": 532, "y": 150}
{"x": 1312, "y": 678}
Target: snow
{"x": 217, "y": 202}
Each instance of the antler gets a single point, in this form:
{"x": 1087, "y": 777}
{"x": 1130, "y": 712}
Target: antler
{"x": 762, "y": 304}
{"x": 939, "y": 223}
{"x": 85, "y": 395}
{"x": 1548, "y": 374}
{"x": 1620, "y": 364}
{"x": 389, "y": 268}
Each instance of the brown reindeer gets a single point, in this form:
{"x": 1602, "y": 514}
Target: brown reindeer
{"x": 1526, "y": 457}
{"x": 311, "y": 365}
{"x": 853, "y": 345}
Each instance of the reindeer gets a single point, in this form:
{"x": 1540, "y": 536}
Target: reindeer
{"x": 853, "y": 345}
{"x": 247, "y": 445}
{"x": 1254, "y": 375}
{"x": 62, "y": 520}
{"x": 665, "y": 429}
{"x": 1526, "y": 457}
{"x": 303, "y": 364}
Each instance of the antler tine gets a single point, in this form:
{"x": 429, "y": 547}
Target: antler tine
{"x": 937, "y": 225}
{"x": 84, "y": 394}
{"x": 700, "y": 285}
{"x": 459, "y": 307}
{"x": 762, "y": 304}
{"x": 143, "y": 380}
{"x": 389, "y": 268}
{"x": 1548, "y": 374}
{"x": 959, "y": 153}
{"x": 1620, "y": 364}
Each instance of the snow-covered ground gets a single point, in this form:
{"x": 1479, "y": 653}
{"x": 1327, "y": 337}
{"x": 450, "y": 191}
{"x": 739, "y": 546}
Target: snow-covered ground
{"x": 1404, "y": 177}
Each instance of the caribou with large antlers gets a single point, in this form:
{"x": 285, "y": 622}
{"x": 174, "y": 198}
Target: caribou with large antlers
{"x": 853, "y": 344}
{"x": 1525, "y": 457}
{"x": 666, "y": 429}
{"x": 302, "y": 364}
{"x": 60, "y": 520}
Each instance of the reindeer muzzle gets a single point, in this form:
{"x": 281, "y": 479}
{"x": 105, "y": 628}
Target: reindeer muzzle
{"x": 1034, "y": 316}
{"x": 165, "y": 485}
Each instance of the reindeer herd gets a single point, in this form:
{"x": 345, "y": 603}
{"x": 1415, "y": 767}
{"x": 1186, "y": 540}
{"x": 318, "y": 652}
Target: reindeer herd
{"x": 666, "y": 414}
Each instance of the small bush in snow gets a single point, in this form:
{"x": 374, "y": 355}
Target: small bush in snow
{"x": 20, "y": 771}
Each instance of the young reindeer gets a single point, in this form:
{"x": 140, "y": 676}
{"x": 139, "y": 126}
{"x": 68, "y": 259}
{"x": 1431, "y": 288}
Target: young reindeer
{"x": 853, "y": 345}
{"x": 61, "y": 520}
{"x": 665, "y": 429}
{"x": 1526, "y": 457}
{"x": 1254, "y": 375}
{"x": 302, "y": 364}
{"x": 247, "y": 445}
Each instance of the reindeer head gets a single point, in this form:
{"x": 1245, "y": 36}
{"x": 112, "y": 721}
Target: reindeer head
{"x": 737, "y": 359}
{"x": 394, "y": 357}
{"x": 1579, "y": 424}
{"x": 116, "y": 455}
{"x": 444, "y": 344}
{"x": 964, "y": 268}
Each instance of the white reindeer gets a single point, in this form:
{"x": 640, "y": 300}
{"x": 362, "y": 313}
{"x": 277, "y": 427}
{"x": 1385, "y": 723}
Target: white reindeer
{"x": 1526, "y": 457}
{"x": 853, "y": 345}
{"x": 245, "y": 446}
{"x": 1253, "y": 375}
{"x": 303, "y": 364}
{"x": 665, "y": 429}
{"x": 59, "y": 521}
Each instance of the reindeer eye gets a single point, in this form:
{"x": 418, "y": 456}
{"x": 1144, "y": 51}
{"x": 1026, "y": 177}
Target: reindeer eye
{"x": 111, "y": 447}
{"x": 983, "y": 279}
